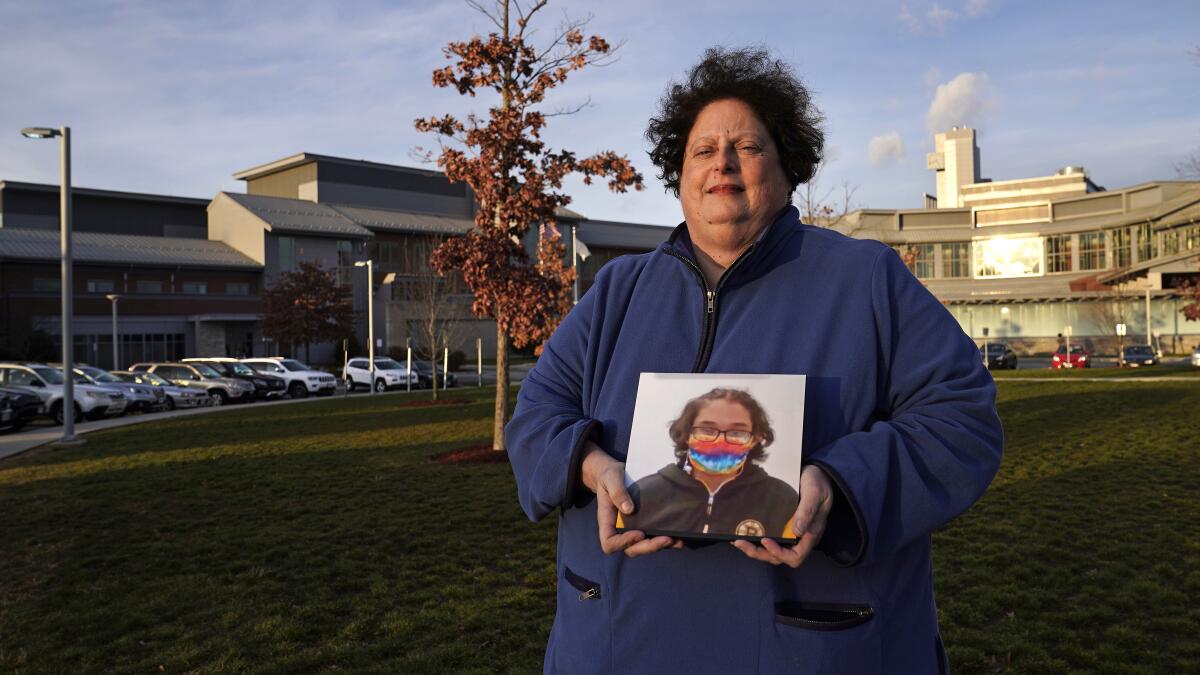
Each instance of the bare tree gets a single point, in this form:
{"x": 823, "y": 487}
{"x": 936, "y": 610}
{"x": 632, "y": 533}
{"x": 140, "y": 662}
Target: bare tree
{"x": 436, "y": 302}
{"x": 1112, "y": 308}
{"x": 827, "y": 207}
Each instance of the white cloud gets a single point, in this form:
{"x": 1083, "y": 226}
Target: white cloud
{"x": 885, "y": 148}
{"x": 940, "y": 16}
{"x": 977, "y": 7}
{"x": 907, "y": 18}
{"x": 962, "y": 101}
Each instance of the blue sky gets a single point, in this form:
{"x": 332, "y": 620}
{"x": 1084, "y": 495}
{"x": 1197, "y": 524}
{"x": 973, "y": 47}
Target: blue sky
{"x": 173, "y": 98}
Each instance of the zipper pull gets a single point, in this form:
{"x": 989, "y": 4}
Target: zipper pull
{"x": 712, "y": 301}
{"x": 589, "y": 594}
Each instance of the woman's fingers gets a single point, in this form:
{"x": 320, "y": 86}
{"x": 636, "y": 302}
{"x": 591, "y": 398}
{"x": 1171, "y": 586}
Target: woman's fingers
{"x": 649, "y": 546}
{"x": 606, "y": 521}
{"x": 756, "y": 552}
{"x": 815, "y": 494}
{"x": 613, "y": 482}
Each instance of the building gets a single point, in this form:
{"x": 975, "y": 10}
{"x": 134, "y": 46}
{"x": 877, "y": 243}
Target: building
{"x": 1022, "y": 260}
{"x": 190, "y": 272}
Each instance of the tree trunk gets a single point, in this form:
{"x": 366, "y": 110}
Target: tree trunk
{"x": 501, "y": 415}
{"x": 433, "y": 362}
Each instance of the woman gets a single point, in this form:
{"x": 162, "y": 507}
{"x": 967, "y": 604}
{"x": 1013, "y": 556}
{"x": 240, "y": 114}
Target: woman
{"x": 900, "y": 432}
{"x": 720, "y": 439}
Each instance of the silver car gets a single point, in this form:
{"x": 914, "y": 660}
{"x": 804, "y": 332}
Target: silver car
{"x": 139, "y": 397}
{"x": 176, "y": 397}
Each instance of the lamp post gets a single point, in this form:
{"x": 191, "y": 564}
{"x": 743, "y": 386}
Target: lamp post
{"x": 114, "y": 297}
{"x": 370, "y": 316}
{"x": 64, "y": 212}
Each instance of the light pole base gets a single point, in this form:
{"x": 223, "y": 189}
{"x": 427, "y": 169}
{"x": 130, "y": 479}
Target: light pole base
{"x": 68, "y": 442}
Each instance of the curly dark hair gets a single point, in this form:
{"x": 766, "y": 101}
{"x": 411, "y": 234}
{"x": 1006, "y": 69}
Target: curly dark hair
{"x": 681, "y": 427}
{"x": 750, "y": 75}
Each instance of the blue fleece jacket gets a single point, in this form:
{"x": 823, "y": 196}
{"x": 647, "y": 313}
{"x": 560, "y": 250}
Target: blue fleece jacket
{"x": 899, "y": 412}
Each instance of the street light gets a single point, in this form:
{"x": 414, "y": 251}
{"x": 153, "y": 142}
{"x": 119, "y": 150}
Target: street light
{"x": 116, "y": 344}
{"x": 64, "y": 212}
{"x": 370, "y": 316}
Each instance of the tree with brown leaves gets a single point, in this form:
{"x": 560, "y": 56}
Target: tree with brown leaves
{"x": 517, "y": 180}
{"x": 305, "y": 306}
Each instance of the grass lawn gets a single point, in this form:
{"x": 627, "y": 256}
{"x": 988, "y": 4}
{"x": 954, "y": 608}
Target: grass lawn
{"x": 320, "y": 536}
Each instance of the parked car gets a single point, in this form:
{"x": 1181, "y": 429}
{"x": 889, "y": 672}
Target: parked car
{"x": 17, "y": 408}
{"x": 199, "y": 376}
{"x": 998, "y": 356}
{"x": 46, "y": 383}
{"x": 388, "y": 374}
{"x": 1196, "y": 357}
{"x": 138, "y": 397}
{"x": 1137, "y": 356}
{"x": 266, "y": 386}
{"x": 176, "y": 397}
{"x": 302, "y": 380}
{"x": 425, "y": 375}
{"x": 1079, "y": 358}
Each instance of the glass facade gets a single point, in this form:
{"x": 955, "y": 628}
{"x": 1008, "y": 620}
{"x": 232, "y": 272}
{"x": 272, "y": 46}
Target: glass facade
{"x": 1007, "y": 257}
{"x": 1058, "y": 253}
{"x": 956, "y": 260}
{"x": 195, "y": 287}
{"x": 237, "y": 288}
{"x": 101, "y": 286}
{"x": 1091, "y": 251}
{"x": 287, "y": 254}
{"x": 1122, "y": 248}
{"x": 345, "y": 262}
{"x": 1143, "y": 242}
{"x": 148, "y": 286}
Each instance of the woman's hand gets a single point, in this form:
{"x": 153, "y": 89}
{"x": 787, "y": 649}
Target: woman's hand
{"x": 606, "y": 477}
{"x": 816, "y": 498}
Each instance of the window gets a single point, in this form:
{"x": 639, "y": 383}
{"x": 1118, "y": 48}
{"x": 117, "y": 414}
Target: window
{"x": 1005, "y": 257}
{"x": 101, "y": 286}
{"x": 918, "y": 258}
{"x": 195, "y": 287}
{"x": 47, "y": 284}
{"x": 1122, "y": 249}
{"x": 345, "y": 262}
{"x": 287, "y": 254}
{"x": 237, "y": 288}
{"x": 147, "y": 286}
{"x": 956, "y": 259}
{"x": 1058, "y": 253}
{"x": 1091, "y": 251}
{"x": 1144, "y": 242}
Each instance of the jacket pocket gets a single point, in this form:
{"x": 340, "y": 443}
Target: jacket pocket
{"x": 822, "y": 616}
{"x": 588, "y": 589}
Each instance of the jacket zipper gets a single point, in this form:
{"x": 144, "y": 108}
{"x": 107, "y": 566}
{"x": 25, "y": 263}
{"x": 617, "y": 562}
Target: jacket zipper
{"x": 710, "y": 296}
{"x": 590, "y": 589}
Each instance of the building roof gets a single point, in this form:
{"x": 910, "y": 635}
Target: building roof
{"x": 299, "y": 216}
{"x": 614, "y": 234}
{"x": 390, "y": 220}
{"x": 119, "y": 249}
{"x": 302, "y": 158}
{"x": 112, "y": 194}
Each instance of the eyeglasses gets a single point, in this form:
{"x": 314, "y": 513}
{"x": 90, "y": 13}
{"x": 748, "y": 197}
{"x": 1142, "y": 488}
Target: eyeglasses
{"x": 709, "y": 434}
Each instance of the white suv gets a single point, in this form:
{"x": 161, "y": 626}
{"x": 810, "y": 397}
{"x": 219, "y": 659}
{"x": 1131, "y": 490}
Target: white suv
{"x": 388, "y": 374}
{"x": 47, "y": 384}
{"x": 301, "y": 379}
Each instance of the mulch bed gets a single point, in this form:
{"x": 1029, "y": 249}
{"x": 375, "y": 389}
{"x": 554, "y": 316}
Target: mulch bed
{"x": 429, "y": 403}
{"x": 472, "y": 454}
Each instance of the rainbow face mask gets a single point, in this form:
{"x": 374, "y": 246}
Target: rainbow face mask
{"x": 717, "y": 457}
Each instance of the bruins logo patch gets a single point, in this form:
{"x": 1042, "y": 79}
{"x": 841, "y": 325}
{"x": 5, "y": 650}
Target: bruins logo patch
{"x": 750, "y": 528}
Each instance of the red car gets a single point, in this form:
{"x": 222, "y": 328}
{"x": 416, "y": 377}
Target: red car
{"x": 1078, "y": 359}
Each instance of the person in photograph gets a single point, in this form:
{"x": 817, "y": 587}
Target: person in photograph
{"x": 716, "y": 484}
{"x": 900, "y": 428}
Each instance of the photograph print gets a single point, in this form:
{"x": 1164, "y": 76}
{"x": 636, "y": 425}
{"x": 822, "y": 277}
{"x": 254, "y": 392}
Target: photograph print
{"x": 715, "y": 456}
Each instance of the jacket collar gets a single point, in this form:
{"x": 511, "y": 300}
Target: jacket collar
{"x": 783, "y": 227}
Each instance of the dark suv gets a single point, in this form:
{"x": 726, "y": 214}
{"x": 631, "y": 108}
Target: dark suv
{"x": 998, "y": 356}
{"x": 265, "y": 386}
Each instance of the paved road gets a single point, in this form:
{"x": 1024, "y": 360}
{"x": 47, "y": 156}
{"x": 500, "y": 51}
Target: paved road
{"x": 1035, "y": 362}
